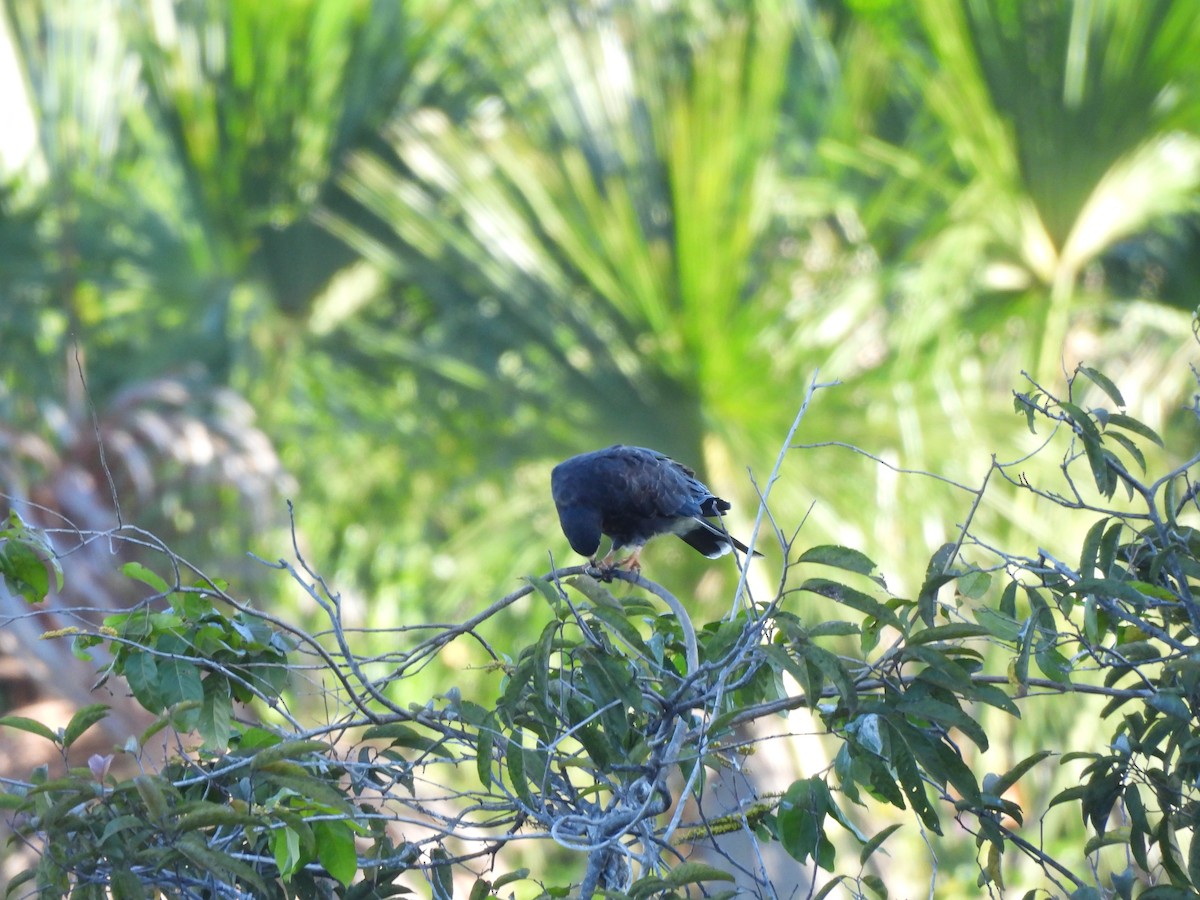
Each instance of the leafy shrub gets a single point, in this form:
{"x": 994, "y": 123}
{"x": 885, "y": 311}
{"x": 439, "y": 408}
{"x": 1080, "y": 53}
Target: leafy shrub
{"x": 615, "y": 712}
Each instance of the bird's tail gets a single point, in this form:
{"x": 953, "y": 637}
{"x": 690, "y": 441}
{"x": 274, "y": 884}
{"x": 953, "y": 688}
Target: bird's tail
{"x": 712, "y": 540}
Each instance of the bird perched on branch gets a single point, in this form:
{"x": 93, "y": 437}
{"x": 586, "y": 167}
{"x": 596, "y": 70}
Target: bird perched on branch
{"x": 632, "y": 494}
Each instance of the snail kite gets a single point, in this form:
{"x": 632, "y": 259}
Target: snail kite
{"x": 632, "y": 494}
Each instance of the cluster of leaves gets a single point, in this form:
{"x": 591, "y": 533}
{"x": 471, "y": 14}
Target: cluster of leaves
{"x": 1128, "y": 619}
{"x": 209, "y": 820}
{"x": 193, "y": 659}
{"x": 267, "y": 809}
{"x": 615, "y": 714}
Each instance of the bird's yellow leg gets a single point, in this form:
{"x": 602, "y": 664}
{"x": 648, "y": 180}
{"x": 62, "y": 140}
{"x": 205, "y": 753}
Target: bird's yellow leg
{"x": 633, "y": 562}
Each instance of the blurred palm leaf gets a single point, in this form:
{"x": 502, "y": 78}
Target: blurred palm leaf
{"x": 1078, "y": 122}
{"x": 258, "y": 105}
{"x": 162, "y": 223}
{"x": 602, "y": 251}
{"x": 180, "y": 150}
{"x": 593, "y": 242}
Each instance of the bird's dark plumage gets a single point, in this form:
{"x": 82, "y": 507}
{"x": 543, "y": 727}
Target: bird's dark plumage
{"x": 632, "y": 494}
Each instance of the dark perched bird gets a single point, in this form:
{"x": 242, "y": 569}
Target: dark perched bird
{"x": 632, "y": 494}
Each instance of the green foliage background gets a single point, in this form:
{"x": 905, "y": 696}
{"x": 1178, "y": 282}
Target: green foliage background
{"x": 397, "y": 259}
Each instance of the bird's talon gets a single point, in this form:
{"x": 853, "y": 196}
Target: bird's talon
{"x": 601, "y": 571}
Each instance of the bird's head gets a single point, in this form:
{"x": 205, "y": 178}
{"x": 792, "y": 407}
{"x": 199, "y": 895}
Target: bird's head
{"x": 581, "y": 525}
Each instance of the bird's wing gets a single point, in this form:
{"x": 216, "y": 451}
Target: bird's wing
{"x": 692, "y": 496}
{"x": 665, "y": 487}
{"x": 653, "y": 484}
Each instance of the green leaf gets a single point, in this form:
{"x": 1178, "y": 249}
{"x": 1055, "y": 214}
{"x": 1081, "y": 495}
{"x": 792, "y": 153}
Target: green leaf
{"x": 402, "y": 735}
{"x": 997, "y": 624}
{"x": 855, "y": 599}
{"x": 484, "y": 741}
{"x": 783, "y": 660}
{"x": 598, "y": 746}
{"x": 11, "y": 801}
{"x": 1136, "y": 808}
{"x": 546, "y": 590}
{"x": 833, "y": 669}
{"x": 992, "y": 873}
{"x": 335, "y": 850}
{"x": 1069, "y": 794}
{"x": 198, "y": 815}
{"x": 841, "y": 558}
{"x": 607, "y": 680}
{"x": 1109, "y": 547}
{"x": 83, "y": 719}
{"x": 974, "y": 584}
{"x": 695, "y": 873}
{"x": 1104, "y": 383}
{"x": 944, "y": 713}
{"x": 833, "y": 629}
{"x": 1130, "y": 447}
{"x": 285, "y": 845}
{"x": 125, "y": 885}
{"x": 536, "y": 763}
{"x": 284, "y": 750}
{"x": 1090, "y": 556}
{"x": 866, "y": 730}
{"x": 178, "y": 678}
{"x": 593, "y": 590}
{"x": 909, "y": 777}
{"x": 1105, "y": 478}
{"x": 829, "y": 888}
{"x": 216, "y": 713}
{"x": 1020, "y": 667}
{"x": 952, "y": 632}
{"x": 1109, "y": 588}
{"x": 876, "y": 842}
{"x": 1167, "y": 892}
{"x": 24, "y": 571}
{"x": 1109, "y": 837}
{"x": 141, "y": 671}
{"x": 80, "y": 644}
{"x": 1089, "y": 433}
{"x": 956, "y": 678}
{"x": 1130, "y": 424}
{"x": 21, "y": 723}
{"x": 1164, "y": 837}
{"x": 289, "y": 776}
{"x": 193, "y": 847}
{"x": 1025, "y": 404}
{"x": 138, "y": 572}
{"x": 514, "y": 755}
{"x": 800, "y": 817}
{"x": 1171, "y": 704}
{"x": 1091, "y": 621}
{"x": 936, "y": 575}
{"x": 441, "y": 876}
{"x": 876, "y": 886}
{"x": 1003, "y": 782}
{"x": 617, "y": 620}
{"x": 835, "y": 813}
{"x": 510, "y": 877}
{"x": 17, "y": 881}
{"x": 1008, "y": 601}
{"x": 1053, "y": 665}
